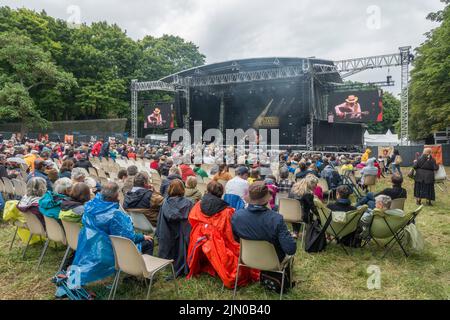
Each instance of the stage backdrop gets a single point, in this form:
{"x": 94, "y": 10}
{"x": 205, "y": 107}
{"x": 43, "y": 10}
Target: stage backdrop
{"x": 158, "y": 115}
{"x": 355, "y": 106}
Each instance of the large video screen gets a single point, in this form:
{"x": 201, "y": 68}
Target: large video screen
{"x": 355, "y": 106}
{"x": 158, "y": 115}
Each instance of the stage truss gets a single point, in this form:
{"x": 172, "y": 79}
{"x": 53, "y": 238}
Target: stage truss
{"x": 345, "y": 68}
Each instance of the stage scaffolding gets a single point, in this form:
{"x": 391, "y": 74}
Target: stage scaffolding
{"x": 277, "y": 71}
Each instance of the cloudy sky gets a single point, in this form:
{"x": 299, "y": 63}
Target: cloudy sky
{"x": 233, "y": 29}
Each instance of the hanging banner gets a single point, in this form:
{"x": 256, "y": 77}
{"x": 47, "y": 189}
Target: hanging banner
{"x": 436, "y": 152}
{"x": 68, "y": 139}
{"x": 385, "y": 151}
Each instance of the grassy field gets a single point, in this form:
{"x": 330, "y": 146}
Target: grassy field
{"x": 328, "y": 275}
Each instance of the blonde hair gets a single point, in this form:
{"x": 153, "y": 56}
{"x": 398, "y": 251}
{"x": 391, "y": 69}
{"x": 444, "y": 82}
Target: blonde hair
{"x": 427, "y": 151}
{"x": 191, "y": 182}
{"x": 305, "y": 185}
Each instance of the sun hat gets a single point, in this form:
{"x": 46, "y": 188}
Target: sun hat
{"x": 352, "y": 99}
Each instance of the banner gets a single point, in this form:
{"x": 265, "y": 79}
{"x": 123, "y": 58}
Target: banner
{"x": 385, "y": 151}
{"x": 68, "y": 139}
{"x": 436, "y": 152}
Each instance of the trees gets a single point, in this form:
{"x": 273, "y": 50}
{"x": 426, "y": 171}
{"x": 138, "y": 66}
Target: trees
{"x": 24, "y": 68}
{"x": 101, "y": 58}
{"x": 430, "y": 80}
{"x": 391, "y": 115}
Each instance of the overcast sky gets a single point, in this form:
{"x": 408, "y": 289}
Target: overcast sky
{"x": 233, "y": 29}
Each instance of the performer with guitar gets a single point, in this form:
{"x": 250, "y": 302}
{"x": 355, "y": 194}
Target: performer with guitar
{"x": 350, "y": 109}
{"x": 155, "y": 118}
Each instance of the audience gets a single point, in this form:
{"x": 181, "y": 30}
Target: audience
{"x": 36, "y": 188}
{"x": 72, "y": 208}
{"x": 66, "y": 169}
{"x": 343, "y": 203}
{"x": 173, "y": 229}
{"x": 213, "y": 249}
{"x": 396, "y": 192}
{"x": 191, "y": 192}
{"x": 223, "y": 173}
{"x": 258, "y": 222}
{"x": 103, "y": 217}
{"x": 39, "y": 171}
{"x": 143, "y": 196}
{"x": 50, "y": 203}
{"x": 239, "y": 184}
{"x": 174, "y": 174}
{"x": 303, "y": 191}
{"x": 132, "y": 171}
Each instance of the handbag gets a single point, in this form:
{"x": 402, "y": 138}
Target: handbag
{"x": 398, "y": 159}
{"x": 412, "y": 173}
{"x": 272, "y": 281}
{"x": 315, "y": 239}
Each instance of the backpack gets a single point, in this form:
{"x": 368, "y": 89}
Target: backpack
{"x": 272, "y": 280}
{"x": 315, "y": 240}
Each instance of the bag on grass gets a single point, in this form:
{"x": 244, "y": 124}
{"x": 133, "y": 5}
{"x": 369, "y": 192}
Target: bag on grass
{"x": 412, "y": 173}
{"x": 272, "y": 281}
{"x": 315, "y": 239}
{"x": 63, "y": 290}
{"x": 413, "y": 239}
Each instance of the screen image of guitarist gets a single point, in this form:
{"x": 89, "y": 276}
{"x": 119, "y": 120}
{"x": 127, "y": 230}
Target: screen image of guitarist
{"x": 362, "y": 106}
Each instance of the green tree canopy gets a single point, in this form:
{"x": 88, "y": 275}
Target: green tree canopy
{"x": 391, "y": 115}
{"x": 430, "y": 80}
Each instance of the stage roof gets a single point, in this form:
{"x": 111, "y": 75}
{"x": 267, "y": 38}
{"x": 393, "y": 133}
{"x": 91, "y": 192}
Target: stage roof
{"x": 253, "y": 64}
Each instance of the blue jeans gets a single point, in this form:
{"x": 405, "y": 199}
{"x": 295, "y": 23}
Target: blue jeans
{"x": 396, "y": 167}
{"x": 2, "y": 202}
{"x": 368, "y": 199}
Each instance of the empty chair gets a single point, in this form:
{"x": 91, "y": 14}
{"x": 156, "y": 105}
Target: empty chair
{"x": 398, "y": 204}
{"x": 131, "y": 261}
{"x": 325, "y": 189}
{"x": 262, "y": 255}
{"x": 9, "y": 187}
{"x": 20, "y": 187}
{"x": 36, "y": 228}
{"x": 370, "y": 181}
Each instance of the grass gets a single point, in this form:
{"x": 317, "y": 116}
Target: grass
{"x": 327, "y": 275}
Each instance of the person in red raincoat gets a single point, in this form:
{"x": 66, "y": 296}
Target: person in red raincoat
{"x": 212, "y": 247}
{"x": 97, "y": 148}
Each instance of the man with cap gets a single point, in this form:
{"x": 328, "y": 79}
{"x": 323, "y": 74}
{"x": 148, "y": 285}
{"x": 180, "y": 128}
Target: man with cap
{"x": 239, "y": 184}
{"x": 258, "y": 222}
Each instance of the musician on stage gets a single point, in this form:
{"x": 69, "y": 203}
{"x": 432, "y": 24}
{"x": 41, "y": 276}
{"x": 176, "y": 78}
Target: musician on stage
{"x": 156, "y": 118}
{"x": 349, "y": 109}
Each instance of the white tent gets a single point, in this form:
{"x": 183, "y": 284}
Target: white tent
{"x": 387, "y": 139}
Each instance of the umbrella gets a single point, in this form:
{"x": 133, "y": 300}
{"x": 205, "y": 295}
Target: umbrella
{"x": 16, "y": 160}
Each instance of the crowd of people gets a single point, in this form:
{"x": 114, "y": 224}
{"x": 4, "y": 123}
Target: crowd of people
{"x": 199, "y": 231}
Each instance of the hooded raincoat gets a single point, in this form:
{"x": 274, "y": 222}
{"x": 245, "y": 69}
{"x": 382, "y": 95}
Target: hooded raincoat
{"x": 94, "y": 258}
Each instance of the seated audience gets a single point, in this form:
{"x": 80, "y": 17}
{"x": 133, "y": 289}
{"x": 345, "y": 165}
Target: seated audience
{"x": 83, "y": 162}
{"x": 36, "y": 188}
{"x": 192, "y": 193}
{"x": 143, "y": 196}
{"x": 132, "y": 171}
{"x": 343, "y": 202}
{"x": 369, "y": 170}
{"x": 396, "y": 192}
{"x": 173, "y": 229}
{"x": 66, "y": 169}
{"x": 213, "y": 249}
{"x": 258, "y": 222}
{"x": 50, "y": 203}
{"x": 39, "y": 171}
{"x": 383, "y": 204}
{"x": 303, "y": 191}
{"x": 186, "y": 172}
{"x": 174, "y": 174}
{"x": 239, "y": 184}
{"x": 72, "y": 208}
{"x": 270, "y": 183}
{"x": 102, "y": 217}
{"x": 199, "y": 171}
{"x": 223, "y": 173}
{"x": 254, "y": 176}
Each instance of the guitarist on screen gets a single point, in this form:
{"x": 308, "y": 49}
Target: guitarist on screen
{"x": 350, "y": 109}
{"x": 155, "y": 119}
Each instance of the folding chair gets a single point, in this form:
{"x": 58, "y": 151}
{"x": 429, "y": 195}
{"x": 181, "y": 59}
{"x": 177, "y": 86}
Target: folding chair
{"x": 323, "y": 183}
{"x": 261, "y": 255}
{"x": 19, "y": 187}
{"x": 129, "y": 260}
{"x": 292, "y": 212}
{"x": 338, "y": 230}
{"x": 55, "y": 233}
{"x": 17, "y": 224}
{"x": 9, "y": 188}
{"x": 398, "y": 203}
{"x": 387, "y": 230}
{"x": 36, "y": 228}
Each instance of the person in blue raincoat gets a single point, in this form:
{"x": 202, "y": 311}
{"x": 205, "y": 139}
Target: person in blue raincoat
{"x": 94, "y": 258}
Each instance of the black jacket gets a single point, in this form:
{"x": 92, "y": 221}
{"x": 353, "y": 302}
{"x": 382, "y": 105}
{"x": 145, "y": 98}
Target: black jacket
{"x": 307, "y": 203}
{"x": 210, "y": 204}
{"x": 261, "y": 223}
{"x": 166, "y": 182}
{"x": 173, "y": 232}
{"x": 425, "y": 168}
{"x": 140, "y": 199}
{"x": 395, "y": 192}
{"x": 342, "y": 205}
{"x": 83, "y": 164}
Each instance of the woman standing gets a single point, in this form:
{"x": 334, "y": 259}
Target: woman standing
{"x": 396, "y": 160}
{"x": 424, "y": 179}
